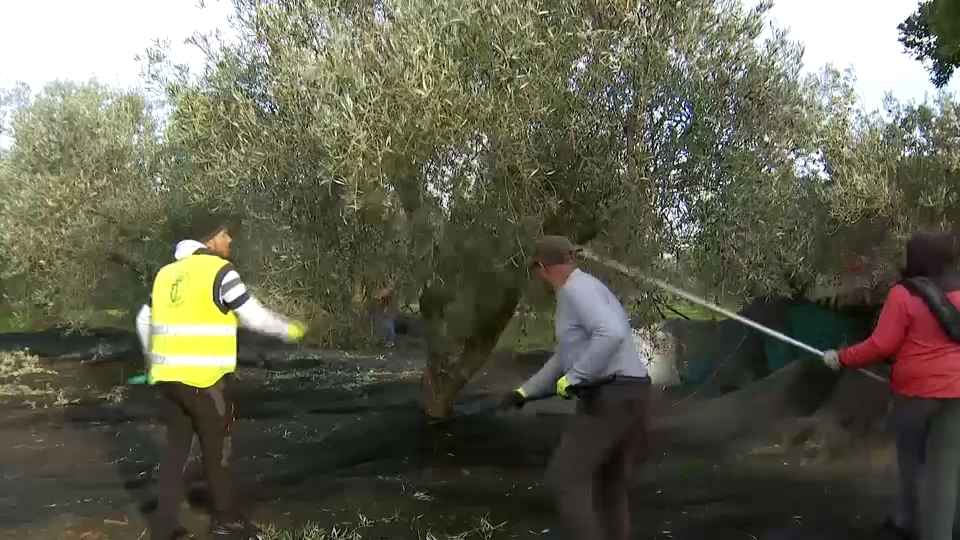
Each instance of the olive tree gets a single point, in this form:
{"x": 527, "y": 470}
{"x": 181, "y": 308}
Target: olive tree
{"x": 428, "y": 144}
{"x": 856, "y": 184}
{"x": 79, "y": 204}
{"x": 906, "y": 175}
{"x": 761, "y": 228}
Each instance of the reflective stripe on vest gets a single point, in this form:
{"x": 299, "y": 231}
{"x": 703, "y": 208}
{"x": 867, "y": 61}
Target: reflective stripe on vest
{"x": 192, "y": 330}
{"x": 195, "y": 361}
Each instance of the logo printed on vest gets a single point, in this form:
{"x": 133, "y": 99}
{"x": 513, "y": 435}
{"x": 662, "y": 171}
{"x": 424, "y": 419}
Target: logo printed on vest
{"x": 178, "y": 289}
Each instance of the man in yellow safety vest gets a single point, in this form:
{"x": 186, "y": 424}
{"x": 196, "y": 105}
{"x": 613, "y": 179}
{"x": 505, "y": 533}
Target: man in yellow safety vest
{"x": 197, "y": 303}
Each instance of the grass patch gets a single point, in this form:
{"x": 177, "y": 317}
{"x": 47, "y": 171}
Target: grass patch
{"x": 364, "y": 528}
{"x": 19, "y": 364}
{"x": 22, "y": 376}
{"x": 342, "y": 378}
{"x": 11, "y": 321}
{"x": 528, "y": 331}
{"x": 326, "y": 374}
{"x": 115, "y": 396}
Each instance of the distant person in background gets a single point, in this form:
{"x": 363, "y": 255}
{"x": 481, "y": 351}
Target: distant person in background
{"x": 385, "y": 317}
{"x": 919, "y": 326}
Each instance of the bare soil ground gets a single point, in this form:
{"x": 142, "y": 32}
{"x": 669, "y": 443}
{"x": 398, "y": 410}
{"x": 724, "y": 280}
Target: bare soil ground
{"x": 333, "y": 445}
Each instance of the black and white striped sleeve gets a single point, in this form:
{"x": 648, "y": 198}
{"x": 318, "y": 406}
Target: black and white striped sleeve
{"x": 234, "y": 296}
{"x": 232, "y": 292}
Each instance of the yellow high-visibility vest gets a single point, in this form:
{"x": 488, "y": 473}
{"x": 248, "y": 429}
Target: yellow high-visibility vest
{"x": 193, "y": 338}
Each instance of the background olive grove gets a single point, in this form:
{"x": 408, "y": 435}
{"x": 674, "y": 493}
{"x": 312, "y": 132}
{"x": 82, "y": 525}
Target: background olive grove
{"x": 425, "y": 145}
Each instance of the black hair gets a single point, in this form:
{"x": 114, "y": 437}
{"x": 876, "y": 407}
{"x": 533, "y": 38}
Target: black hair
{"x": 929, "y": 255}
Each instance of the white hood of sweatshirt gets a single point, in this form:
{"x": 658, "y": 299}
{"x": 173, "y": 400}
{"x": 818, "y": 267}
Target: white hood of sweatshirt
{"x": 185, "y": 248}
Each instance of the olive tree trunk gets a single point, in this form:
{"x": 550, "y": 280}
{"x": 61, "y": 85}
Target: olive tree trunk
{"x": 455, "y": 354}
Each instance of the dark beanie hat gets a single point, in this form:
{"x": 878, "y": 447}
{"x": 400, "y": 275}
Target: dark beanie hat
{"x": 208, "y": 226}
{"x": 201, "y": 225}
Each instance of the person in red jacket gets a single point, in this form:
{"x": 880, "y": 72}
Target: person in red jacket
{"x": 925, "y": 380}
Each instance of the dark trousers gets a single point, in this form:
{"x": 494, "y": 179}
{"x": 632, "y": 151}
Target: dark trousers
{"x": 927, "y": 433}
{"x": 588, "y": 472}
{"x": 910, "y": 421}
{"x": 207, "y": 413}
{"x": 941, "y": 473}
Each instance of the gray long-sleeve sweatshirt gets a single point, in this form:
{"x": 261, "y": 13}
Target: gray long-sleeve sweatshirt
{"x": 594, "y": 339}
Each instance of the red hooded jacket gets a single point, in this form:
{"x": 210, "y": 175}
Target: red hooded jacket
{"x": 926, "y": 361}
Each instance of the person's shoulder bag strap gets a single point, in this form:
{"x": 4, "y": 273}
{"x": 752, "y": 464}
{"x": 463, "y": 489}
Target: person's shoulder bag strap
{"x": 937, "y": 301}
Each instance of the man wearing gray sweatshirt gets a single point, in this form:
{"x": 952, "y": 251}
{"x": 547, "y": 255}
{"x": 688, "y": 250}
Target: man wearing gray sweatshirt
{"x": 597, "y": 362}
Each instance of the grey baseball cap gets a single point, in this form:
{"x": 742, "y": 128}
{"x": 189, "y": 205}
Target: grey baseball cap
{"x": 552, "y": 250}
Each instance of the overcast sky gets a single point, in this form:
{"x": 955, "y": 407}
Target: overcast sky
{"x": 45, "y": 39}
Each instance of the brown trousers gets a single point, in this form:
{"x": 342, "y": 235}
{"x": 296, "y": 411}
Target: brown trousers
{"x": 589, "y": 471}
{"x": 208, "y": 415}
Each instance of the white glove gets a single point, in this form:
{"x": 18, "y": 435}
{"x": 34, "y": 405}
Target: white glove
{"x": 832, "y": 359}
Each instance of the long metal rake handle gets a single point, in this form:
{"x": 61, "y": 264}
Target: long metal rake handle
{"x": 713, "y": 307}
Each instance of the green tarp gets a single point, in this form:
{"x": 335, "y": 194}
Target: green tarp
{"x": 811, "y": 324}
{"x": 724, "y": 355}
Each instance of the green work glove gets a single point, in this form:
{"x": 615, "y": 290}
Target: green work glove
{"x": 143, "y": 378}
{"x": 563, "y": 387}
{"x": 296, "y": 331}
